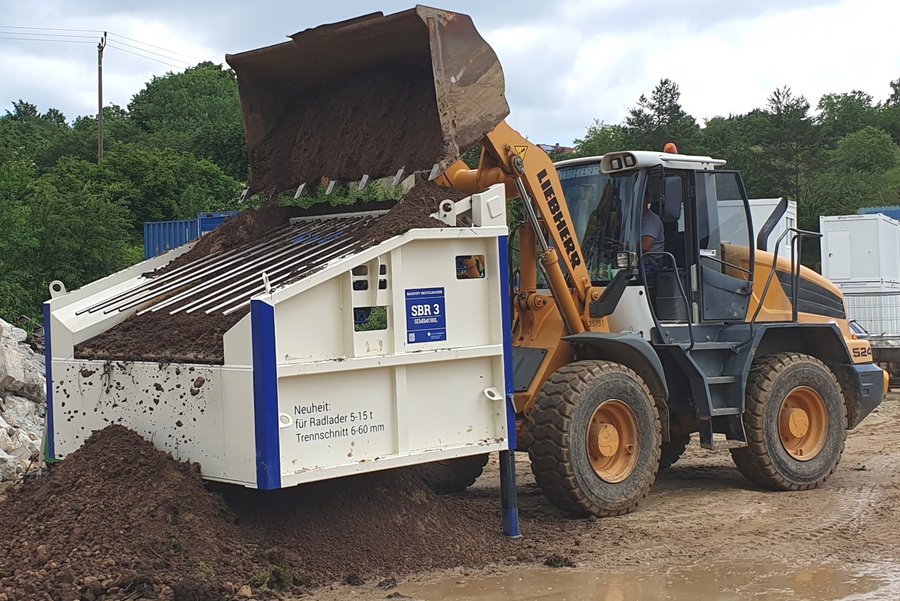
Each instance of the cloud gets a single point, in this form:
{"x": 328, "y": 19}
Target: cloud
{"x": 566, "y": 63}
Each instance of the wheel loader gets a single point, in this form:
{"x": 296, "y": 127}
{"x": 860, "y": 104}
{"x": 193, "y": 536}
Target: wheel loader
{"x": 619, "y": 353}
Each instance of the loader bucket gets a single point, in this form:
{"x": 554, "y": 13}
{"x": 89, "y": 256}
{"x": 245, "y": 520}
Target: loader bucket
{"x": 368, "y": 96}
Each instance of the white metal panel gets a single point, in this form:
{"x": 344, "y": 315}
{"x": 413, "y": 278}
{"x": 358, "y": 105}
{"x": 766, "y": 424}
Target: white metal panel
{"x": 632, "y": 314}
{"x": 879, "y": 313}
{"x": 180, "y": 408}
{"x": 432, "y": 264}
{"x": 310, "y": 326}
{"x": 853, "y": 287}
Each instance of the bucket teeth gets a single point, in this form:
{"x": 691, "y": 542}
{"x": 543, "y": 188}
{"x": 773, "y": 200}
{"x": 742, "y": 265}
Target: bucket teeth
{"x": 399, "y": 176}
{"x": 363, "y": 182}
{"x": 330, "y": 188}
{"x": 435, "y": 171}
{"x": 243, "y": 195}
{"x": 300, "y": 190}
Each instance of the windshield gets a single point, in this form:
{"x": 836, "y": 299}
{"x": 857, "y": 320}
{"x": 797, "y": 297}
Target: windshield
{"x": 604, "y": 214}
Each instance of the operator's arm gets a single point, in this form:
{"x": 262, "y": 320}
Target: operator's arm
{"x": 651, "y": 231}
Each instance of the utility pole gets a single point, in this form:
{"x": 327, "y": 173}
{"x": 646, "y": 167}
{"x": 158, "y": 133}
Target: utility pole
{"x": 100, "y": 48}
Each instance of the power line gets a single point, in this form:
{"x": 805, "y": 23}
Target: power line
{"x": 111, "y": 45}
{"x": 55, "y": 35}
{"x": 47, "y": 40}
{"x": 50, "y": 28}
{"x": 193, "y": 58}
{"x": 174, "y": 58}
{"x": 175, "y": 54}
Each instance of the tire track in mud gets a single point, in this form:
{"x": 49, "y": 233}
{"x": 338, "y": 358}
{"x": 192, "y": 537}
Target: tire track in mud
{"x": 703, "y": 505}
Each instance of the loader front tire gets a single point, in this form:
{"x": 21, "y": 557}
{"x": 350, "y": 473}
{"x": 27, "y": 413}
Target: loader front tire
{"x": 595, "y": 439}
{"x": 795, "y": 420}
{"x": 452, "y": 475}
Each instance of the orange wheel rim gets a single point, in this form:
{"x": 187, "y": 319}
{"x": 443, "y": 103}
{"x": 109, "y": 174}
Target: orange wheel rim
{"x": 613, "y": 441}
{"x": 803, "y": 423}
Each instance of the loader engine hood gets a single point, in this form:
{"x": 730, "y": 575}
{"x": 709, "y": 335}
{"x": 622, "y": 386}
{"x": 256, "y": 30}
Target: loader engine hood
{"x": 367, "y": 96}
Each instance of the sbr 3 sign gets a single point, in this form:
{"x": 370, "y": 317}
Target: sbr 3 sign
{"x": 423, "y": 310}
{"x": 425, "y": 315}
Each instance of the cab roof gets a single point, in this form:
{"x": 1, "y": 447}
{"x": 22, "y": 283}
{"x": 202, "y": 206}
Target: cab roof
{"x": 614, "y": 162}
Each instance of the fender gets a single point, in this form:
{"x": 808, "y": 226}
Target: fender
{"x": 633, "y": 352}
{"x": 863, "y": 384}
{"x": 628, "y": 349}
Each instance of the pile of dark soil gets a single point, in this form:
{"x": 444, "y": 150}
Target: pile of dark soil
{"x": 371, "y": 526}
{"x": 412, "y": 211}
{"x": 119, "y": 519}
{"x": 159, "y": 336}
{"x": 197, "y": 338}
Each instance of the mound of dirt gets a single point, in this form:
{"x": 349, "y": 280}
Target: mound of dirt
{"x": 371, "y": 526}
{"x": 159, "y": 336}
{"x": 119, "y": 519}
{"x": 412, "y": 211}
{"x": 197, "y": 337}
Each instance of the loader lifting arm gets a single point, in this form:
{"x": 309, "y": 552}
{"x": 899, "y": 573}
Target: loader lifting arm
{"x": 507, "y": 157}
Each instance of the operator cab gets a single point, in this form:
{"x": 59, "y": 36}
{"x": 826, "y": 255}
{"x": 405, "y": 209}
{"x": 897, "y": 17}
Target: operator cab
{"x": 702, "y": 271}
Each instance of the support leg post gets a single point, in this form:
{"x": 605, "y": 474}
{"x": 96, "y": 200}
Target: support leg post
{"x": 508, "y": 494}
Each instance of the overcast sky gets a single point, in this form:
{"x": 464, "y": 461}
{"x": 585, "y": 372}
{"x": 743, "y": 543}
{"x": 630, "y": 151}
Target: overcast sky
{"x": 566, "y": 63}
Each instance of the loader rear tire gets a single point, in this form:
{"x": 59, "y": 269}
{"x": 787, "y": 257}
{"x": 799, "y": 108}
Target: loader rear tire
{"x": 671, "y": 451}
{"x": 595, "y": 439}
{"x": 795, "y": 420}
{"x": 452, "y": 475}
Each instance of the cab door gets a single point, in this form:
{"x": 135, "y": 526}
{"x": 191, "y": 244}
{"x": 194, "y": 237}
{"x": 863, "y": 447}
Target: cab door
{"x": 723, "y": 246}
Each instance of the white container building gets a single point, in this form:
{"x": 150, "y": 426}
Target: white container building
{"x": 861, "y": 253}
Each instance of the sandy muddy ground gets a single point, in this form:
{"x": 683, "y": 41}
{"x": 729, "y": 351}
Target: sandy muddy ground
{"x": 704, "y": 533}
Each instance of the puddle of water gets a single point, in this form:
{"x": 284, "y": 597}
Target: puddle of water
{"x": 708, "y": 583}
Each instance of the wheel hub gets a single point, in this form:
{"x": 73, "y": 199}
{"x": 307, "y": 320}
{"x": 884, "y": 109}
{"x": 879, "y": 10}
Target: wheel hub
{"x": 612, "y": 441}
{"x": 798, "y": 422}
{"x": 803, "y": 423}
{"x": 608, "y": 440}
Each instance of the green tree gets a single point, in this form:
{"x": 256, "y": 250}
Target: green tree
{"x": 792, "y": 139}
{"x": 660, "y": 119}
{"x": 78, "y": 234}
{"x": 16, "y": 241}
{"x": 601, "y": 138}
{"x": 196, "y": 111}
{"x": 163, "y": 184}
{"x": 742, "y": 140}
{"x": 81, "y": 139}
{"x": 894, "y": 98}
{"x": 841, "y": 114}
{"x": 26, "y": 134}
{"x": 867, "y": 150}
{"x": 889, "y": 117}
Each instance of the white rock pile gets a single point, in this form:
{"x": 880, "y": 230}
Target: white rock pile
{"x": 23, "y": 404}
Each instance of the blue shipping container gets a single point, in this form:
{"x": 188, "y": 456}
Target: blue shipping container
{"x": 892, "y": 212}
{"x": 163, "y": 236}
{"x": 210, "y": 221}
